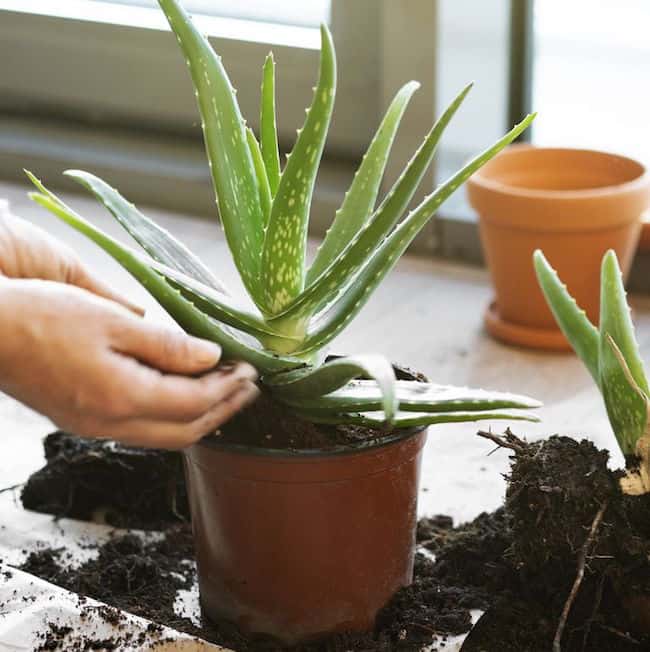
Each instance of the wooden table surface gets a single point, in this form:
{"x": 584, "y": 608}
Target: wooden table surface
{"x": 427, "y": 314}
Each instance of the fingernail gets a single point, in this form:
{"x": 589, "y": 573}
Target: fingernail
{"x": 206, "y": 352}
{"x": 135, "y": 308}
{"x": 253, "y": 395}
{"x": 247, "y": 372}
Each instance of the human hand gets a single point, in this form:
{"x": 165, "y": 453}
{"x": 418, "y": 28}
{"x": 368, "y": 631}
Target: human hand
{"x": 29, "y": 252}
{"x": 97, "y": 370}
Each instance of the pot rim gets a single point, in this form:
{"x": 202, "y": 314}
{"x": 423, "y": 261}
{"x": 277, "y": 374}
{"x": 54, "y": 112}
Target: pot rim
{"x": 394, "y": 437}
{"x": 482, "y": 179}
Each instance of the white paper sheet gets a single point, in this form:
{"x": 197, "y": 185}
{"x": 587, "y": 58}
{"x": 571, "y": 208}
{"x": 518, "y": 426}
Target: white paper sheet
{"x": 27, "y": 603}
{"x": 30, "y": 604}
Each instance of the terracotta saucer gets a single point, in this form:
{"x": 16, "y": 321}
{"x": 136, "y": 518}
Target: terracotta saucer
{"x": 532, "y": 338}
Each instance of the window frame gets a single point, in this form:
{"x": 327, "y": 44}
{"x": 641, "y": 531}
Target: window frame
{"x": 130, "y": 75}
{"x": 51, "y": 121}
{"x": 81, "y": 117}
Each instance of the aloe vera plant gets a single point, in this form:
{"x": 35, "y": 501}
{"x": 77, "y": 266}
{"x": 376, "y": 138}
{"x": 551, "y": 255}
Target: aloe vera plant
{"x": 264, "y": 212}
{"x": 611, "y": 354}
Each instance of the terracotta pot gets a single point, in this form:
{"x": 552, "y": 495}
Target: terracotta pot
{"x": 572, "y": 204}
{"x": 299, "y": 544}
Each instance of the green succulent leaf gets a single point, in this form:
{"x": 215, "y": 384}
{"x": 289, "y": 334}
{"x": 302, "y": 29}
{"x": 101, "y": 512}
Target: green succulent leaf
{"x": 304, "y": 384}
{"x": 626, "y": 409}
{"x": 334, "y": 279}
{"x": 338, "y": 315}
{"x": 214, "y": 304}
{"x": 409, "y": 419}
{"x": 283, "y": 256}
{"x": 360, "y": 199}
{"x": 260, "y": 171}
{"x": 231, "y": 164}
{"x": 156, "y": 241}
{"x": 572, "y": 320}
{"x": 268, "y": 129}
{"x": 366, "y": 396}
{"x": 264, "y": 212}
{"x": 190, "y": 318}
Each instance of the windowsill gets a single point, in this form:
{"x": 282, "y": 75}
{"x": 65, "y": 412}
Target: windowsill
{"x": 160, "y": 170}
{"x": 171, "y": 173}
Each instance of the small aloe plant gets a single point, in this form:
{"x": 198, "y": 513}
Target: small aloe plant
{"x": 611, "y": 354}
{"x": 264, "y": 211}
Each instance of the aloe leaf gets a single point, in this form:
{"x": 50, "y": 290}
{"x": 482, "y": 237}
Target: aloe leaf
{"x": 384, "y": 219}
{"x": 268, "y": 129}
{"x": 626, "y": 409}
{"x": 156, "y": 241}
{"x": 260, "y": 171}
{"x": 616, "y": 319}
{"x": 365, "y": 396}
{"x": 303, "y": 384}
{"x": 408, "y": 419}
{"x": 223, "y": 308}
{"x": 231, "y": 164}
{"x": 572, "y": 320}
{"x": 190, "y": 318}
{"x": 283, "y": 256}
{"x": 334, "y": 318}
{"x": 360, "y": 199}
{"x": 171, "y": 258}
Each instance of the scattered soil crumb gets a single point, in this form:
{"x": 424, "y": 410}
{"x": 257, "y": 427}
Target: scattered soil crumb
{"x": 518, "y": 563}
{"x": 65, "y": 638}
{"x": 143, "y": 577}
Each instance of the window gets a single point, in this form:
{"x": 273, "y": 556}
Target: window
{"x": 473, "y": 46}
{"x": 100, "y": 84}
{"x": 590, "y": 75}
{"x": 290, "y": 12}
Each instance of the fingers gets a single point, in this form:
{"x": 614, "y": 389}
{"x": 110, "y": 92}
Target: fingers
{"x": 157, "y": 396}
{"x": 81, "y": 277}
{"x": 165, "y": 349}
{"x": 153, "y": 433}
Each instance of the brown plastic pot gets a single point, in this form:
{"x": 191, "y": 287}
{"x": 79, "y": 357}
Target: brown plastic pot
{"x": 574, "y": 205}
{"x": 299, "y": 544}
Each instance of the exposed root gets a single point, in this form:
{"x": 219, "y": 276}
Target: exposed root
{"x": 617, "y": 632}
{"x": 582, "y": 562}
{"x": 507, "y": 440}
{"x": 597, "y": 602}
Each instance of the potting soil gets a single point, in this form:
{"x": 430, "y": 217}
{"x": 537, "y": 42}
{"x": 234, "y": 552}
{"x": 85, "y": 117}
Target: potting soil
{"x": 519, "y": 563}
